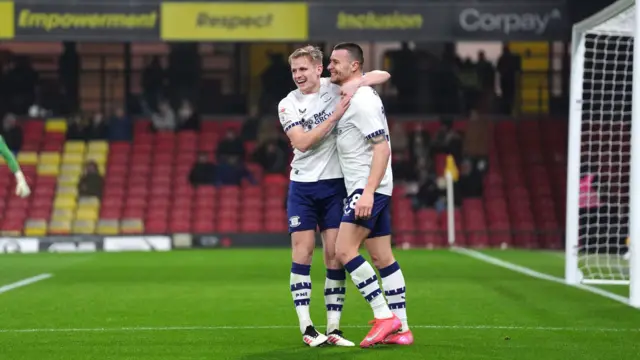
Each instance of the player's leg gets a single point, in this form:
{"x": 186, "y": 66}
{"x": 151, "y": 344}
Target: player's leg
{"x": 379, "y": 247}
{"x": 335, "y": 282}
{"x": 302, "y": 224}
{"x": 350, "y": 236}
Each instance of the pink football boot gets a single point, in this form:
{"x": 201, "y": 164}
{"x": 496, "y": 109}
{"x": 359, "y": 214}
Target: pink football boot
{"x": 399, "y": 338}
{"x": 380, "y": 330}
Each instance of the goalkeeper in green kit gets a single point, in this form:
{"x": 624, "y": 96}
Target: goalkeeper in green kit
{"x": 22, "y": 189}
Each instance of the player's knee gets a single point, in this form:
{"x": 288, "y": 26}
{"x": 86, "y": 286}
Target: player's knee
{"x": 381, "y": 261}
{"x": 302, "y": 255}
{"x": 380, "y": 251}
{"x": 302, "y": 247}
{"x": 344, "y": 252}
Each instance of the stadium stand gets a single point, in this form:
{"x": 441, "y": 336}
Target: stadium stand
{"x": 147, "y": 189}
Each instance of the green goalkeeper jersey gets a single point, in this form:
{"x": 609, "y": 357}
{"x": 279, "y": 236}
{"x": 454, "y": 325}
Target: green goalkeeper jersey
{"x": 8, "y": 156}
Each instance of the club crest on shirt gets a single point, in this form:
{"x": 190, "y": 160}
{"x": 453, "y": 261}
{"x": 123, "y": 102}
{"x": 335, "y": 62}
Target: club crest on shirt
{"x": 326, "y": 97}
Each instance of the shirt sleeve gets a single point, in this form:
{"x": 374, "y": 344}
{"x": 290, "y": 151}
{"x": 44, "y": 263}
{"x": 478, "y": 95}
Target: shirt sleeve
{"x": 287, "y": 115}
{"x": 8, "y": 156}
{"x": 369, "y": 118}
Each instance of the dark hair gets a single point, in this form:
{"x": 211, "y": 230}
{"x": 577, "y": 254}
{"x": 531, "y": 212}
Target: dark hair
{"x": 354, "y": 50}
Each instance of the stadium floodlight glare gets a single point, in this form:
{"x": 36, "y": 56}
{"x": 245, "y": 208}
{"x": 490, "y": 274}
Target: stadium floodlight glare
{"x": 602, "y": 141}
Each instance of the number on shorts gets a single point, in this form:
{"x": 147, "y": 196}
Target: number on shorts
{"x": 348, "y": 206}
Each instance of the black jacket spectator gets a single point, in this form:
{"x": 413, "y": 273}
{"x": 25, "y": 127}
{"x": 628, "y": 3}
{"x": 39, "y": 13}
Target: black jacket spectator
{"x": 91, "y": 183}
{"x": 231, "y": 145}
{"x": 203, "y": 171}
{"x": 12, "y": 133}
{"x": 98, "y": 128}
{"x": 271, "y": 157}
{"x": 78, "y": 128}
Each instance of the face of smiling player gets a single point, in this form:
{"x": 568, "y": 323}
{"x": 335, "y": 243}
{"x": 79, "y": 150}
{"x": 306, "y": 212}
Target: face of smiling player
{"x": 342, "y": 67}
{"x": 306, "y": 74}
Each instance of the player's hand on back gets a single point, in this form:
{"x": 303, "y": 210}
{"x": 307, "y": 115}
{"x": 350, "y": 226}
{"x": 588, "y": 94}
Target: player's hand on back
{"x": 349, "y": 89}
{"x": 342, "y": 106}
{"x": 364, "y": 206}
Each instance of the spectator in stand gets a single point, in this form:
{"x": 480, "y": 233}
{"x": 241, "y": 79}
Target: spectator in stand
{"x": 231, "y": 146}
{"x": 590, "y": 205}
{"x": 509, "y": 67}
{"x": 486, "y": 73}
{"x": 271, "y": 157}
{"x": 98, "y": 128}
{"x": 470, "y": 184}
{"x": 429, "y": 195}
{"x": 400, "y": 143}
{"x": 203, "y": 171}
{"x": 419, "y": 144}
{"x": 447, "y": 140}
{"x": 250, "y": 127}
{"x": 475, "y": 146}
{"x": 22, "y": 81}
{"x": 188, "y": 119}
{"x": 120, "y": 126}
{"x": 231, "y": 171}
{"x": 91, "y": 182}
{"x": 153, "y": 78}
{"x": 12, "y": 133}
{"x": 78, "y": 128}
{"x": 402, "y": 168}
{"x": 165, "y": 118}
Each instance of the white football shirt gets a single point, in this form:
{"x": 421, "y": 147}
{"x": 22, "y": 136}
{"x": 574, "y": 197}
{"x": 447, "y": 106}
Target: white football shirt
{"x": 309, "y": 110}
{"x": 363, "y": 120}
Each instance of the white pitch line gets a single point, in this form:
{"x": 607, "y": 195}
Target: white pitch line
{"x": 275, "y": 327}
{"x": 24, "y": 282}
{"x": 536, "y": 274}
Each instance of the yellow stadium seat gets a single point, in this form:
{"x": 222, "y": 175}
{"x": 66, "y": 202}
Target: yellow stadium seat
{"x": 61, "y": 214}
{"x": 64, "y": 202}
{"x": 84, "y": 227}
{"x": 87, "y": 213}
{"x": 56, "y": 125}
{"x": 27, "y": 158}
{"x": 49, "y": 158}
{"x": 71, "y": 169}
{"x": 68, "y": 180}
{"x": 108, "y": 227}
{"x": 74, "y": 147}
{"x": 132, "y": 226}
{"x": 98, "y": 146}
{"x": 67, "y": 190}
{"x": 59, "y": 227}
{"x": 73, "y": 158}
{"x": 89, "y": 201}
{"x": 98, "y": 158}
{"x": 48, "y": 169}
{"x": 35, "y": 227}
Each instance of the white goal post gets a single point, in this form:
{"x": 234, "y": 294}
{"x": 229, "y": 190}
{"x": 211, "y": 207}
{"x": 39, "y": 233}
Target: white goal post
{"x": 604, "y": 152}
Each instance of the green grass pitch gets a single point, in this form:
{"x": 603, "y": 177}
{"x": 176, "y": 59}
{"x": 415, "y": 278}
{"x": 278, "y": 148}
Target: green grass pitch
{"x": 236, "y": 304}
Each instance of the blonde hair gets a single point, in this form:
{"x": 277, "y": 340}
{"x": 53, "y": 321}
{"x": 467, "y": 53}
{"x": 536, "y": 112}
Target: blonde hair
{"x": 313, "y": 53}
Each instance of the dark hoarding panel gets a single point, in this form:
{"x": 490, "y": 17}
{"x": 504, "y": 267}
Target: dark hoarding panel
{"x": 438, "y": 22}
{"x": 90, "y": 22}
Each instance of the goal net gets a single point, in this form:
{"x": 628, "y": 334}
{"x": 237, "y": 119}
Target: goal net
{"x": 600, "y": 141}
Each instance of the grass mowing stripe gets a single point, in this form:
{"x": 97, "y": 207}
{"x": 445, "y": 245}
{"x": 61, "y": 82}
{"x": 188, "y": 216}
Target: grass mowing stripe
{"x": 538, "y": 275}
{"x": 24, "y": 282}
{"x": 276, "y": 327}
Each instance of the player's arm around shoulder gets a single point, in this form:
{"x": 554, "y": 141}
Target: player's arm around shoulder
{"x": 305, "y": 140}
